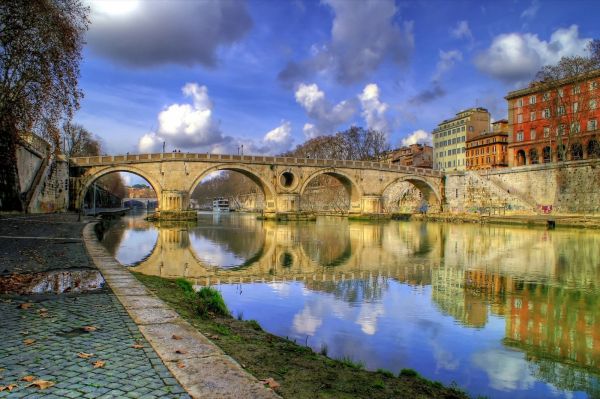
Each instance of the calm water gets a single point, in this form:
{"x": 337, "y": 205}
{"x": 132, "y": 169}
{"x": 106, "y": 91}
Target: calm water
{"x": 504, "y": 312}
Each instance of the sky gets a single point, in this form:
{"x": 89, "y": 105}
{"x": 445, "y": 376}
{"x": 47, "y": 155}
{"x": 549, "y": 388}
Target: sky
{"x": 213, "y": 76}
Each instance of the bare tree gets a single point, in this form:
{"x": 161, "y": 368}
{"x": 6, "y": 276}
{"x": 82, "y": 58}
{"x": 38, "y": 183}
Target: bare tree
{"x": 40, "y": 51}
{"x": 571, "y": 96}
{"x": 78, "y": 141}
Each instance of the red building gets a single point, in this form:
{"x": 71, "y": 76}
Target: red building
{"x": 550, "y": 122}
{"x": 417, "y": 155}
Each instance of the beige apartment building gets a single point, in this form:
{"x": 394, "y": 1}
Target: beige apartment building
{"x": 451, "y": 135}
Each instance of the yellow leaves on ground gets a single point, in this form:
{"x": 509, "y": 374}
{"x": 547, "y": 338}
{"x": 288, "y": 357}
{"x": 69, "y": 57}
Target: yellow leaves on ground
{"x": 176, "y": 337}
{"x": 180, "y": 365}
{"x": 84, "y": 355}
{"x": 89, "y": 328}
{"x": 26, "y": 305}
{"x": 8, "y": 387}
{"x": 29, "y": 341}
{"x": 99, "y": 364}
{"x": 42, "y": 384}
{"x": 28, "y": 378}
{"x": 137, "y": 346}
{"x": 270, "y": 382}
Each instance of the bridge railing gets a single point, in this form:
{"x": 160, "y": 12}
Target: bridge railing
{"x": 262, "y": 159}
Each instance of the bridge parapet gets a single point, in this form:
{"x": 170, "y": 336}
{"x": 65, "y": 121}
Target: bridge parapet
{"x": 249, "y": 159}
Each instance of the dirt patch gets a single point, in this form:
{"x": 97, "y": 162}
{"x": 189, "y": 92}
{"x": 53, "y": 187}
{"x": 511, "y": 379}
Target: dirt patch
{"x": 300, "y": 372}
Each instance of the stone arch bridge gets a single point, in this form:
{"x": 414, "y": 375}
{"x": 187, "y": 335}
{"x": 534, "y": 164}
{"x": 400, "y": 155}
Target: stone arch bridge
{"x": 174, "y": 176}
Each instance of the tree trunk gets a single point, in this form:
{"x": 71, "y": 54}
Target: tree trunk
{"x": 10, "y": 196}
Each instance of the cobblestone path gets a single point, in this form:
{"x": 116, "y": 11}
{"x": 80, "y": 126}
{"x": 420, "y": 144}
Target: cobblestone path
{"x": 53, "y": 356}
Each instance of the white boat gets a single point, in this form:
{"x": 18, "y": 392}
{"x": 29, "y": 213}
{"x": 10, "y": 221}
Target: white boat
{"x": 220, "y": 205}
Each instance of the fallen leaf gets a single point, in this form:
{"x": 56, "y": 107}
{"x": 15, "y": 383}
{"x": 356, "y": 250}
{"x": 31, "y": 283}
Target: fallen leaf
{"x": 24, "y": 332}
{"x": 181, "y": 365}
{"x": 42, "y": 310}
{"x": 137, "y": 346}
{"x": 176, "y": 337}
{"x": 42, "y": 384}
{"x": 271, "y": 382}
{"x": 181, "y": 351}
{"x": 99, "y": 364}
{"x": 28, "y": 378}
{"x": 8, "y": 387}
{"x": 26, "y": 305}
{"x": 29, "y": 341}
{"x": 216, "y": 337}
{"x": 84, "y": 355}
{"x": 44, "y": 314}
{"x": 89, "y": 328}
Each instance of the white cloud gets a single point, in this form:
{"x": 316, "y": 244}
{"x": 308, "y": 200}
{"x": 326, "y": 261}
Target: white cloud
{"x": 418, "y": 136}
{"x": 373, "y": 109}
{"x": 147, "y": 33}
{"x": 507, "y": 371}
{"x": 531, "y": 11}
{"x": 279, "y": 139}
{"x": 355, "y": 51}
{"x": 446, "y": 61}
{"x": 325, "y": 115}
{"x": 462, "y": 31}
{"x": 516, "y": 57}
{"x": 188, "y": 125}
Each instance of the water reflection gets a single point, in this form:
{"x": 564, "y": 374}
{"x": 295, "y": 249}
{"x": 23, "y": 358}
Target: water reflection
{"x": 503, "y": 311}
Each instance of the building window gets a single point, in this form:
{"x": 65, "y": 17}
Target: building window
{"x": 592, "y": 104}
{"x": 546, "y": 113}
{"x": 520, "y": 136}
{"x": 560, "y": 130}
{"x": 532, "y": 99}
{"x": 520, "y": 118}
{"x": 520, "y": 102}
{"x": 532, "y": 134}
{"x": 546, "y": 96}
{"x": 592, "y": 125}
{"x": 532, "y": 116}
{"x": 593, "y": 85}
{"x": 576, "y": 89}
{"x": 546, "y": 131}
{"x": 561, "y": 92}
{"x": 575, "y": 107}
{"x": 560, "y": 110}
{"x": 574, "y": 127}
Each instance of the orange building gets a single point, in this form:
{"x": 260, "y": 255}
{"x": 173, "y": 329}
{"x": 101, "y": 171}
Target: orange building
{"x": 555, "y": 122}
{"x": 488, "y": 149}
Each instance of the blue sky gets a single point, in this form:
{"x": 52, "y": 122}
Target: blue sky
{"x": 210, "y": 76}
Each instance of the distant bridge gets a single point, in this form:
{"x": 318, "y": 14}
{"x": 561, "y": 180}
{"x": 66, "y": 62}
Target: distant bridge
{"x": 145, "y": 202}
{"x": 283, "y": 180}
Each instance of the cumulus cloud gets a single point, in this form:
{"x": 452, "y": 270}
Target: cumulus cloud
{"x": 373, "y": 109}
{"x": 462, "y": 31}
{"x": 516, "y": 57}
{"x": 278, "y": 140}
{"x": 147, "y": 33}
{"x": 418, "y": 136}
{"x": 325, "y": 115}
{"x": 507, "y": 371}
{"x": 188, "y": 125}
{"x": 355, "y": 50}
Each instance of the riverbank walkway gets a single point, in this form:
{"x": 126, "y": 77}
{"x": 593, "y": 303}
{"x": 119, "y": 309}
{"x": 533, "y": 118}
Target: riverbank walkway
{"x": 84, "y": 342}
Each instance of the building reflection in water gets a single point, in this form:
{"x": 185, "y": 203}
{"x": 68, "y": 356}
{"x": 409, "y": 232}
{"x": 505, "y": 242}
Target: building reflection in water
{"x": 545, "y": 285}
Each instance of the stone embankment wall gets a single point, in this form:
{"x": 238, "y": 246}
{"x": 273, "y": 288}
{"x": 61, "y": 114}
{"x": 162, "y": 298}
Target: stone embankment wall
{"x": 566, "y": 188}
{"x": 43, "y": 176}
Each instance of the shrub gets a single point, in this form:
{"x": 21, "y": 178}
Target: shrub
{"x": 385, "y": 372}
{"x": 409, "y": 373}
{"x": 209, "y": 301}
{"x": 185, "y": 285}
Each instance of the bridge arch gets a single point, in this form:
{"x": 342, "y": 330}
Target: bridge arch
{"x": 91, "y": 177}
{"x": 347, "y": 181}
{"x": 267, "y": 188}
{"x": 428, "y": 191}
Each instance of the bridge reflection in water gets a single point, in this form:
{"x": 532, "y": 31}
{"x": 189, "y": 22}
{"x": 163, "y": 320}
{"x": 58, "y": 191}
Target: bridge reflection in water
{"x": 544, "y": 286}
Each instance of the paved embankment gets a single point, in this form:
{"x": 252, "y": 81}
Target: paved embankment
{"x": 203, "y": 369}
{"x": 84, "y": 344}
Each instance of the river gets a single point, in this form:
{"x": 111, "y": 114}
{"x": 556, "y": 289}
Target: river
{"x": 505, "y": 312}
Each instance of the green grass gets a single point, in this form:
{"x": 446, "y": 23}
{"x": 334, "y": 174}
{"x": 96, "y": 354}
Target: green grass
{"x": 409, "y": 373}
{"x": 385, "y": 372}
{"x": 349, "y": 362}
